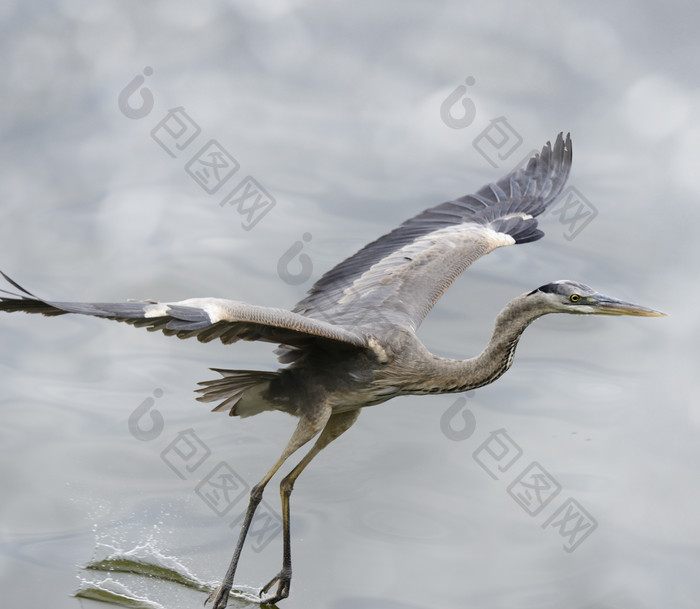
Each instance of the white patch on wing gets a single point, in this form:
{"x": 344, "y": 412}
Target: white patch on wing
{"x": 156, "y": 310}
{"x": 379, "y": 351}
{"x": 518, "y": 215}
{"x": 209, "y": 305}
{"x": 501, "y": 239}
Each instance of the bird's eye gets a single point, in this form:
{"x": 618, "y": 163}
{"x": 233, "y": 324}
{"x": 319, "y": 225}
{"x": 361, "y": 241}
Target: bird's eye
{"x": 574, "y": 298}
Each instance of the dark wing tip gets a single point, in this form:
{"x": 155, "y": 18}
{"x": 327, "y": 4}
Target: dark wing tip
{"x": 26, "y": 301}
{"x": 16, "y": 285}
{"x": 512, "y": 204}
{"x": 547, "y": 171}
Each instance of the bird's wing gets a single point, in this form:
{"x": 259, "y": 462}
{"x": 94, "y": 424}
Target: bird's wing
{"x": 396, "y": 279}
{"x": 204, "y": 318}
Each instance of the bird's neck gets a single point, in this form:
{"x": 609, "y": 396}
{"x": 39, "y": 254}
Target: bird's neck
{"x": 497, "y": 357}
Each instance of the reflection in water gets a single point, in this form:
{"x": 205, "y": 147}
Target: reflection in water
{"x": 114, "y": 593}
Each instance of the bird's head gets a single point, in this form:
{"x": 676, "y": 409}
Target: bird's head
{"x": 571, "y": 297}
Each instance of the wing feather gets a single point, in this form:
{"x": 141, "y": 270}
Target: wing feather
{"x": 399, "y": 277}
{"x": 393, "y": 281}
{"x": 203, "y": 318}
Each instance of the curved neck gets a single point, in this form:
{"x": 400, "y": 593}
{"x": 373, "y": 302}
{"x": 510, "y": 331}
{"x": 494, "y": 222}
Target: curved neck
{"x": 461, "y": 375}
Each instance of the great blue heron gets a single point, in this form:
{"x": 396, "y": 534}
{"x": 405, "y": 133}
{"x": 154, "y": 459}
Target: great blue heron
{"x": 352, "y": 341}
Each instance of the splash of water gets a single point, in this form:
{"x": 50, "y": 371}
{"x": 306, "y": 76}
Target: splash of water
{"x": 143, "y": 560}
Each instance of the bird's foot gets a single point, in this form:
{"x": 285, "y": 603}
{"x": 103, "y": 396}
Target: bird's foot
{"x": 219, "y": 598}
{"x": 283, "y": 580}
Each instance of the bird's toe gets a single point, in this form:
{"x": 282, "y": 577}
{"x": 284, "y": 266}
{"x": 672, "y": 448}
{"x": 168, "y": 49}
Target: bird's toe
{"x": 283, "y": 580}
{"x": 218, "y": 598}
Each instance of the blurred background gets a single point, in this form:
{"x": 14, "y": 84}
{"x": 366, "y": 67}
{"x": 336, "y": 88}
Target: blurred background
{"x": 169, "y": 150}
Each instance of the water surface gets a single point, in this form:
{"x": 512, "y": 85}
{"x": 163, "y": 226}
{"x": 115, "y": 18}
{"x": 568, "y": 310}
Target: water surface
{"x": 335, "y": 110}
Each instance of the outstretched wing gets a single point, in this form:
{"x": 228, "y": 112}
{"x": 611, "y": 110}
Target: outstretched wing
{"x": 399, "y": 277}
{"x": 204, "y": 318}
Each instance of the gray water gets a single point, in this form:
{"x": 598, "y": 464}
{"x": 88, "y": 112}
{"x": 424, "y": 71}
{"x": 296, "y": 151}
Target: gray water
{"x": 341, "y": 113}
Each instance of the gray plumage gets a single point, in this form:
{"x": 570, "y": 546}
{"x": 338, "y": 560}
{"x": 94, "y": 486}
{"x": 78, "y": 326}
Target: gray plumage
{"x": 351, "y": 341}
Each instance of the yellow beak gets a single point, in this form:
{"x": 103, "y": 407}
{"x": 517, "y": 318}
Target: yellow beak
{"x": 612, "y": 306}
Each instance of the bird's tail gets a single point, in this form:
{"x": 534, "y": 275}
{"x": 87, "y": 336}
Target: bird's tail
{"x": 241, "y": 391}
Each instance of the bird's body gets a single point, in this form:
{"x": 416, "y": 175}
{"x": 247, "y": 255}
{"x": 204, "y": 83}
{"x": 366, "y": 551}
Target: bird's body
{"x": 351, "y": 342}
{"x": 345, "y": 380}
{"x": 353, "y": 379}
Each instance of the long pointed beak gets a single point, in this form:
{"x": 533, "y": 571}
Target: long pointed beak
{"x": 606, "y": 305}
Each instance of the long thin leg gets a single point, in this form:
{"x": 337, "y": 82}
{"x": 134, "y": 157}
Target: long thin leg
{"x": 305, "y": 430}
{"x": 336, "y": 425}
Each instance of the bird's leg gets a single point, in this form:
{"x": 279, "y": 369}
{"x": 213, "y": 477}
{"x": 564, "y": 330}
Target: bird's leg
{"x": 336, "y": 425}
{"x": 305, "y": 430}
